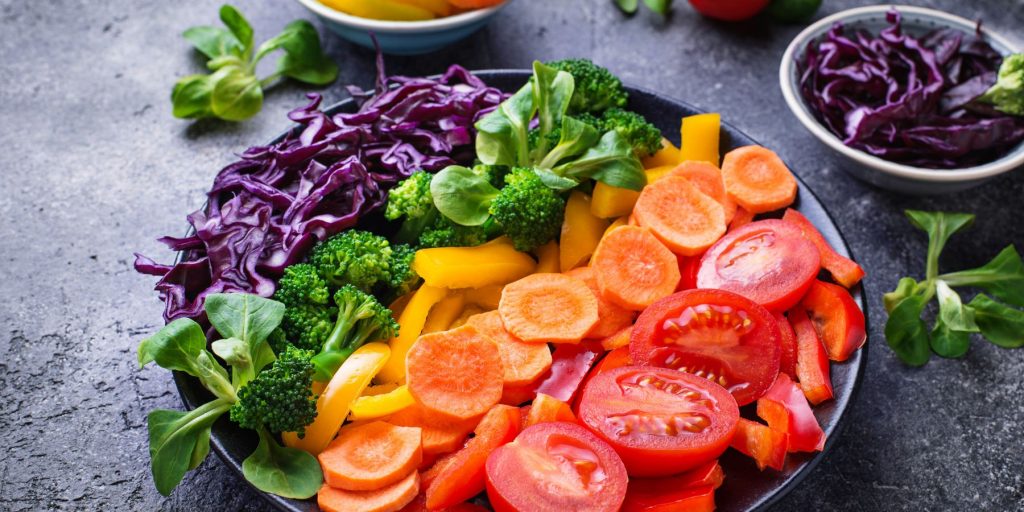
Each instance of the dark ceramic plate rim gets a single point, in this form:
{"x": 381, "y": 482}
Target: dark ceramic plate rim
{"x": 846, "y": 388}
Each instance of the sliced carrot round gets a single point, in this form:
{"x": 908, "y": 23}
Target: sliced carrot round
{"x": 455, "y": 373}
{"x": 685, "y": 219}
{"x": 521, "y": 362}
{"x": 548, "y": 308}
{"x": 612, "y": 317}
{"x": 371, "y": 456}
{"x": 708, "y": 179}
{"x": 757, "y": 179}
{"x": 546, "y": 408}
{"x": 387, "y": 499}
{"x": 438, "y": 433}
{"x": 634, "y": 269}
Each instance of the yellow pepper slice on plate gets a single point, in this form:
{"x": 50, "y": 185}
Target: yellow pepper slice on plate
{"x": 547, "y": 258}
{"x": 439, "y": 8}
{"x": 487, "y": 297}
{"x": 495, "y": 262}
{"x": 410, "y": 325}
{"x": 380, "y": 9}
{"x": 332, "y": 406}
{"x": 667, "y": 155}
{"x": 445, "y": 312}
{"x": 700, "y": 138}
{"x": 378, "y": 406}
{"x": 581, "y": 231}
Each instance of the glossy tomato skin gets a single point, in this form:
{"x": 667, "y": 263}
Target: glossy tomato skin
{"x": 768, "y": 261}
{"x": 660, "y": 421}
{"x": 716, "y": 334}
{"x": 555, "y": 467}
{"x": 837, "y": 318}
{"x": 729, "y": 10}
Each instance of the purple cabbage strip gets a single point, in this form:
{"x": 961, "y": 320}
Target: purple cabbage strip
{"x": 907, "y": 99}
{"x": 266, "y": 210}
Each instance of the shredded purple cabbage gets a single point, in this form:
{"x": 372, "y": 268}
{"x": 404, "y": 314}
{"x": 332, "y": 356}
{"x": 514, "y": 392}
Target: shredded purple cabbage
{"x": 267, "y": 209}
{"x": 906, "y": 99}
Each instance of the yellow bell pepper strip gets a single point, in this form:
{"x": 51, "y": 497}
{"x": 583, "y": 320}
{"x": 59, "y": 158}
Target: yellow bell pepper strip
{"x": 700, "y": 138}
{"x": 380, "y": 9}
{"x": 581, "y": 231}
{"x": 619, "y": 222}
{"x": 667, "y": 155}
{"x": 439, "y": 8}
{"x": 487, "y": 297}
{"x": 445, "y": 312}
{"x": 378, "y": 406}
{"x": 332, "y": 406}
{"x": 410, "y": 326}
{"x": 547, "y": 258}
{"x": 495, "y": 262}
{"x": 470, "y": 310}
{"x": 610, "y": 202}
{"x": 379, "y": 389}
{"x": 657, "y": 173}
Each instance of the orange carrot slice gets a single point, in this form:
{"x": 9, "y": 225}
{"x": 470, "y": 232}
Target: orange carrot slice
{"x": 388, "y": 499}
{"x": 611, "y": 316}
{"x": 708, "y": 179}
{"x": 634, "y": 269}
{"x": 742, "y": 218}
{"x": 371, "y": 456}
{"x": 455, "y": 373}
{"x": 521, "y": 362}
{"x": 438, "y": 434}
{"x": 619, "y": 339}
{"x": 546, "y": 408}
{"x": 685, "y": 219}
{"x": 757, "y": 179}
{"x": 543, "y": 308}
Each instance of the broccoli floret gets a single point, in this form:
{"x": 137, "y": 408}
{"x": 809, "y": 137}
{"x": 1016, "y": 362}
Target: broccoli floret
{"x": 411, "y": 198}
{"x": 644, "y": 137}
{"x": 359, "y": 258}
{"x": 361, "y": 318}
{"x": 281, "y": 397}
{"x": 1007, "y": 95}
{"x": 403, "y": 277}
{"x": 527, "y": 210}
{"x": 533, "y": 136}
{"x": 308, "y": 314}
{"x": 495, "y": 174}
{"x": 445, "y": 233}
{"x": 596, "y": 89}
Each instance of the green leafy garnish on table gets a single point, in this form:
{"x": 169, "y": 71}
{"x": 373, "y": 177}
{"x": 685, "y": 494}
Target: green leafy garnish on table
{"x": 232, "y": 91}
{"x": 630, "y": 6}
{"x": 263, "y": 392}
{"x": 999, "y": 321}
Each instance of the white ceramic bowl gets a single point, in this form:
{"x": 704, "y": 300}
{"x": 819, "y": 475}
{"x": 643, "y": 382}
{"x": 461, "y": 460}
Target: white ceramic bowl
{"x": 403, "y": 37}
{"x": 883, "y": 173}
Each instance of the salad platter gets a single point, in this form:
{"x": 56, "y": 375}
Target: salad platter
{"x": 746, "y": 488}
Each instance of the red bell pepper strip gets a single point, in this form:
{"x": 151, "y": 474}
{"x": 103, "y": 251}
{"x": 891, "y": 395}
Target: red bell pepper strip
{"x": 785, "y": 408}
{"x": 845, "y": 271}
{"x": 812, "y": 365}
{"x": 763, "y": 444}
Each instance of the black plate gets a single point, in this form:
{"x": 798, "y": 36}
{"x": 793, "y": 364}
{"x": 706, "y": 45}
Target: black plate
{"x": 745, "y": 488}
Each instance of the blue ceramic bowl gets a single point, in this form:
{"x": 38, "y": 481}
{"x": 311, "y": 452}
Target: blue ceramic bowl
{"x": 874, "y": 170}
{"x": 403, "y": 37}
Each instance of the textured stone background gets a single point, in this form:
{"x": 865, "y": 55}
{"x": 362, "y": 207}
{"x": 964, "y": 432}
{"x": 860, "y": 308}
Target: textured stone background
{"x": 94, "y": 167}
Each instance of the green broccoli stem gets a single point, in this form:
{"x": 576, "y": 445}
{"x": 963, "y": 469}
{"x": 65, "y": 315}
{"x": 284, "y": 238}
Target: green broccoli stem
{"x": 411, "y": 229}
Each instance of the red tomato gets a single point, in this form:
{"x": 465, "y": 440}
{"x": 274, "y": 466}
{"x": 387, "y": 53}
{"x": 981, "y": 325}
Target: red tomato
{"x": 729, "y": 10}
{"x": 462, "y": 475}
{"x": 555, "y": 466}
{"x": 787, "y": 364}
{"x": 672, "y": 492}
{"x": 845, "y": 271}
{"x": 660, "y": 421}
{"x": 785, "y": 409}
{"x": 838, "y": 319}
{"x": 765, "y": 445}
{"x": 768, "y": 261}
{"x": 812, "y": 366}
{"x": 714, "y": 334}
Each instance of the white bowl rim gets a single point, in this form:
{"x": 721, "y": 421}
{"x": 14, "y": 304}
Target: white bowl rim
{"x": 386, "y": 26}
{"x": 796, "y": 104}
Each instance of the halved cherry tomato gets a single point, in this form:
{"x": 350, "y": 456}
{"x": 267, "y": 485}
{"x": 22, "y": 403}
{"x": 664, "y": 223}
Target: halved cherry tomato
{"x": 715, "y": 334}
{"x": 812, "y": 366}
{"x": 765, "y": 445}
{"x": 768, "y": 261}
{"x": 688, "y": 267}
{"x": 838, "y": 319}
{"x": 785, "y": 409}
{"x": 690, "y": 499}
{"x": 671, "y": 492}
{"x": 555, "y": 467}
{"x": 729, "y": 10}
{"x": 660, "y": 421}
{"x": 462, "y": 475}
{"x": 787, "y": 364}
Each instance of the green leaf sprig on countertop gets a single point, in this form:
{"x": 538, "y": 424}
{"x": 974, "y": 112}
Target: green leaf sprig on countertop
{"x": 232, "y": 91}
{"x": 999, "y": 321}
{"x": 630, "y": 6}
{"x": 264, "y": 392}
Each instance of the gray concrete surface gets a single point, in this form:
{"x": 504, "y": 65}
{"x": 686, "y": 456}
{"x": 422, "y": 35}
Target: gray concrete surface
{"x": 93, "y": 167}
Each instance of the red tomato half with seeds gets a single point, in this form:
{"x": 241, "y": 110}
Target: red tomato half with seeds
{"x": 660, "y": 421}
{"x": 718, "y": 335}
{"x": 555, "y": 466}
{"x": 769, "y": 262}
